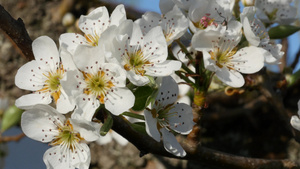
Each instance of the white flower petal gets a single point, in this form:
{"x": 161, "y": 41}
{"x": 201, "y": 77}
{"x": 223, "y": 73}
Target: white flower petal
{"x": 182, "y": 122}
{"x": 185, "y": 100}
{"x": 87, "y": 106}
{"x": 273, "y": 53}
{"x": 137, "y": 80}
{"x": 151, "y": 126}
{"x": 63, "y": 104}
{"x": 67, "y": 60}
{"x": 251, "y": 59}
{"x": 198, "y": 10}
{"x": 37, "y": 123}
{"x": 166, "y": 6}
{"x": 118, "y": 15}
{"x": 82, "y": 158}
{"x": 58, "y": 158}
{"x": 95, "y": 22}
{"x": 87, "y": 129}
{"x": 86, "y": 56}
{"x": 29, "y": 100}
{"x": 53, "y": 159}
{"x": 72, "y": 84}
{"x": 171, "y": 144}
{"x": 230, "y": 77}
{"x": 209, "y": 64}
{"x": 148, "y": 21}
{"x": 120, "y": 100}
{"x": 251, "y": 37}
{"x": 156, "y": 48}
{"x": 45, "y": 52}
{"x": 202, "y": 40}
{"x": 174, "y": 24}
{"x": 118, "y": 74}
{"x": 295, "y": 122}
{"x": 166, "y": 68}
{"x": 30, "y": 77}
{"x": 70, "y": 41}
{"x": 168, "y": 92}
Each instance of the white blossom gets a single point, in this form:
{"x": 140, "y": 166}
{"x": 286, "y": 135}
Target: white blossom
{"x": 174, "y": 24}
{"x": 140, "y": 55}
{"x": 257, "y": 35}
{"x": 97, "y": 82}
{"x": 68, "y": 137}
{"x": 93, "y": 26}
{"x": 165, "y": 117}
{"x": 276, "y": 11}
{"x": 221, "y": 55}
{"x": 203, "y": 14}
{"x": 43, "y": 76}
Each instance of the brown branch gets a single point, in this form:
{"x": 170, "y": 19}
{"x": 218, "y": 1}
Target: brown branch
{"x": 15, "y": 138}
{"x": 15, "y": 29}
{"x": 203, "y": 155}
{"x": 284, "y": 48}
{"x": 295, "y": 62}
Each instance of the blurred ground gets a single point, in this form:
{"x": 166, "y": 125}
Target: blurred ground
{"x": 257, "y": 132}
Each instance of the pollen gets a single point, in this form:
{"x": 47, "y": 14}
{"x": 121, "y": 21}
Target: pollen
{"x": 205, "y": 21}
{"x": 67, "y": 136}
{"x": 92, "y": 39}
{"x": 52, "y": 84}
{"x": 222, "y": 58}
{"x": 98, "y": 84}
{"x": 136, "y": 62}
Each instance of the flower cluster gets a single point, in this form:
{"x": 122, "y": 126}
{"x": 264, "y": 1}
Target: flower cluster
{"x": 114, "y": 57}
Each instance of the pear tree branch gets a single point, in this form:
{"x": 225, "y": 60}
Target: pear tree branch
{"x": 16, "y": 31}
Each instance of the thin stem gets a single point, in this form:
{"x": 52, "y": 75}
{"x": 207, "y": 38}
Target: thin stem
{"x": 133, "y": 115}
{"x": 186, "y": 79}
{"x": 183, "y": 66}
{"x": 184, "y": 49}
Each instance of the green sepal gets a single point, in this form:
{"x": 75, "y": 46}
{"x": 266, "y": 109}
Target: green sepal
{"x": 282, "y": 31}
{"x": 141, "y": 96}
{"x": 292, "y": 79}
{"x": 11, "y": 117}
{"x": 108, "y": 122}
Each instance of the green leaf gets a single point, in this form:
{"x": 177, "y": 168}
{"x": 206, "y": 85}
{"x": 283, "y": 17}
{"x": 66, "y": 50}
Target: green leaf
{"x": 106, "y": 125}
{"x": 11, "y": 117}
{"x": 141, "y": 96}
{"x": 282, "y": 31}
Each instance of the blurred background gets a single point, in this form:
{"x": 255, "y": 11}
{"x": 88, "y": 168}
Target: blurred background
{"x": 229, "y": 126}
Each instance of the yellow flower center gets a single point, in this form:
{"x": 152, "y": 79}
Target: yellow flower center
{"x": 92, "y": 39}
{"x": 162, "y": 114}
{"x": 97, "y": 84}
{"x": 222, "y": 57}
{"x": 272, "y": 15}
{"x": 67, "y": 136}
{"x": 52, "y": 84}
{"x": 136, "y": 62}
